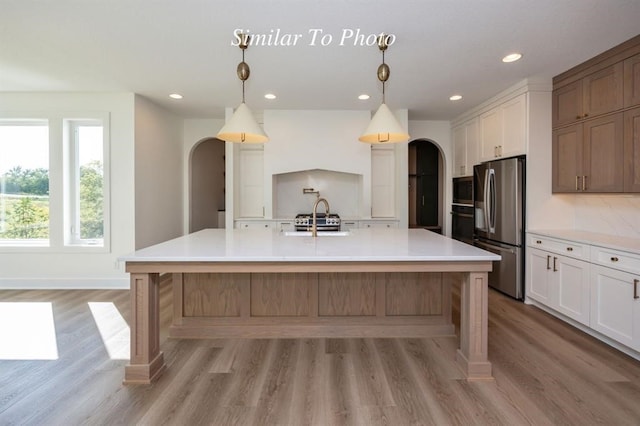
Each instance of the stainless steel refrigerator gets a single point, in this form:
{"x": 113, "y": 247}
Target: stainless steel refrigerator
{"x": 499, "y": 209}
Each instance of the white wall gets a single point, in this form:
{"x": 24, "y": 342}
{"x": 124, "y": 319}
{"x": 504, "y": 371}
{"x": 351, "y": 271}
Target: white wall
{"x": 544, "y": 210}
{"x": 438, "y": 132}
{"x": 316, "y": 140}
{"x": 158, "y": 174}
{"x": 59, "y": 267}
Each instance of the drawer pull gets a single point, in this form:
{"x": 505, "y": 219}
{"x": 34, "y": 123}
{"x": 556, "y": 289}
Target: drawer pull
{"x": 555, "y": 269}
{"x": 538, "y": 242}
{"x": 548, "y": 257}
{"x": 614, "y": 259}
{"x": 635, "y": 289}
{"x": 569, "y": 248}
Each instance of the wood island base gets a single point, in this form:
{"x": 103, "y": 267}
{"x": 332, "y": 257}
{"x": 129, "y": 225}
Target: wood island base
{"x": 309, "y": 299}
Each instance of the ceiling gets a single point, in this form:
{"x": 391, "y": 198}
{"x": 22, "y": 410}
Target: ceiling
{"x": 442, "y": 47}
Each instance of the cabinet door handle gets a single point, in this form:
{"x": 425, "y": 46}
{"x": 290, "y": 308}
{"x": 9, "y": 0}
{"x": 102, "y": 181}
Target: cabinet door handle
{"x": 586, "y": 115}
{"x": 578, "y": 117}
{"x": 635, "y": 289}
{"x": 538, "y": 242}
{"x": 614, "y": 259}
{"x": 548, "y": 257}
{"x": 584, "y": 183}
{"x": 569, "y": 248}
{"x": 577, "y": 183}
{"x": 555, "y": 269}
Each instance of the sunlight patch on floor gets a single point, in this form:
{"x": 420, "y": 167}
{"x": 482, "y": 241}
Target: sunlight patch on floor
{"x": 114, "y": 330}
{"x": 27, "y": 331}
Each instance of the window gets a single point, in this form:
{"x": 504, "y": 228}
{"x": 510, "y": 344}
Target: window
{"x": 86, "y": 183}
{"x": 54, "y": 182}
{"x": 24, "y": 182}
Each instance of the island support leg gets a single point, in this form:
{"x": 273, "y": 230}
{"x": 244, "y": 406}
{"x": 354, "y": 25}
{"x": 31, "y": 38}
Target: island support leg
{"x": 146, "y": 362}
{"x": 474, "y": 313}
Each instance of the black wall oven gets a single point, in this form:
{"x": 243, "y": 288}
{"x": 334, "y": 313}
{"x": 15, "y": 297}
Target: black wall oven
{"x": 462, "y": 223}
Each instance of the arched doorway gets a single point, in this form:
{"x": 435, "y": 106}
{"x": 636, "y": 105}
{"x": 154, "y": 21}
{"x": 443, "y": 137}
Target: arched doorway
{"x": 206, "y": 184}
{"x": 426, "y": 185}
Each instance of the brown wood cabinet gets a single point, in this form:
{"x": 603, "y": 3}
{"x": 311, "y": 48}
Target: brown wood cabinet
{"x": 632, "y": 150}
{"x": 587, "y": 156}
{"x": 632, "y": 81}
{"x": 596, "y": 129}
{"x": 598, "y": 93}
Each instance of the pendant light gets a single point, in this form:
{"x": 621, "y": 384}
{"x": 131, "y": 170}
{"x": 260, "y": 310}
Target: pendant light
{"x": 242, "y": 126}
{"x": 384, "y": 127}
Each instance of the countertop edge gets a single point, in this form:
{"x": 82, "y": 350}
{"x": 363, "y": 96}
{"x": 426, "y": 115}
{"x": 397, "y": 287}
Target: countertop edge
{"x": 616, "y": 242}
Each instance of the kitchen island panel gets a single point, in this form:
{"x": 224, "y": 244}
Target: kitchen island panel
{"x": 414, "y": 293}
{"x": 213, "y": 295}
{"x": 350, "y": 294}
{"x": 281, "y": 295}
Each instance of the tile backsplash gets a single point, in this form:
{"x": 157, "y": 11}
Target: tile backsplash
{"x": 608, "y": 214}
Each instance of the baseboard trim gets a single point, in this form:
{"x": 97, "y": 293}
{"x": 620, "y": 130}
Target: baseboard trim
{"x": 64, "y": 283}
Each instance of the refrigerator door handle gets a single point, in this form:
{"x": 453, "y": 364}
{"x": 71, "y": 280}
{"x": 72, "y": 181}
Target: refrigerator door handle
{"x": 485, "y": 193}
{"x": 492, "y": 201}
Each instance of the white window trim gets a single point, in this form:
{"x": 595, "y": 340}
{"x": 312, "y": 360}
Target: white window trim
{"x": 72, "y": 240}
{"x": 58, "y": 182}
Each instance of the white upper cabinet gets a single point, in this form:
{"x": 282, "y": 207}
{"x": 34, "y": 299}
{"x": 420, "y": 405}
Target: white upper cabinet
{"x": 490, "y": 134}
{"x": 251, "y": 183}
{"x": 503, "y": 129}
{"x": 514, "y": 118}
{"x": 465, "y": 148}
{"x": 383, "y": 173}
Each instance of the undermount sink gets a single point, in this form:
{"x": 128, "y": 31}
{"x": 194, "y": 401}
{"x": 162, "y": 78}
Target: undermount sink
{"x": 320, "y": 233}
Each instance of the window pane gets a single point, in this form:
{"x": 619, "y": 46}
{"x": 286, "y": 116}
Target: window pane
{"x": 91, "y": 175}
{"x": 24, "y": 182}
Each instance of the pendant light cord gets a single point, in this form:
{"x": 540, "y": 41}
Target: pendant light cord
{"x": 383, "y": 81}
{"x": 243, "y": 80}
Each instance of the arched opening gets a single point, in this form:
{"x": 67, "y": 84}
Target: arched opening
{"x": 426, "y": 185}
{"x": 206, "y": 185}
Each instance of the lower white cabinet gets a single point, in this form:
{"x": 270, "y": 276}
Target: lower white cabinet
{"x": 615, "y": 305}
{"x": 253, "y": 224}
{"x": 378, "y": 224}
{"x": 348, "y": 225}
{"x": 592, "y": 284}
{"x": 560, "y": 282}
{"x": 286, "y": 225}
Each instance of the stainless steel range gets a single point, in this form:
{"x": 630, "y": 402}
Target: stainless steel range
{"x": 304, "y": 222}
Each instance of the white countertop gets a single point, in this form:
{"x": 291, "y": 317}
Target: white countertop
{"x": 269, "y": 245}
{"x": 592, "y": 238}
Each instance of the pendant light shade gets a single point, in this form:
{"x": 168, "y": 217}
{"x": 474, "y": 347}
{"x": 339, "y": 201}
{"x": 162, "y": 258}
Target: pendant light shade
{"x": 242, "y": 127}
{"x": 383, "y": 128}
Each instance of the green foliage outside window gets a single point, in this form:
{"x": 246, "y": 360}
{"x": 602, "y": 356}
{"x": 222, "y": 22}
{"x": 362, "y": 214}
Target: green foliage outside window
{"x": 91, "y": 198}
{"x": 26, "y": 203}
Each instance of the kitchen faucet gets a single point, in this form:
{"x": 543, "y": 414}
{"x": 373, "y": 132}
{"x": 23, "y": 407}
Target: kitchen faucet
{"x": 314, "y": 226}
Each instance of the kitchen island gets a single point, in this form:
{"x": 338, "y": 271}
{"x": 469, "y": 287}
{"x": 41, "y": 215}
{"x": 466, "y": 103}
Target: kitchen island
{"x": 267, "y": 284}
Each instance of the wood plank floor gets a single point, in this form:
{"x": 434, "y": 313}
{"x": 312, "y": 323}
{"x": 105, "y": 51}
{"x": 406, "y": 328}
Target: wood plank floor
{"x": 546, "y": 372}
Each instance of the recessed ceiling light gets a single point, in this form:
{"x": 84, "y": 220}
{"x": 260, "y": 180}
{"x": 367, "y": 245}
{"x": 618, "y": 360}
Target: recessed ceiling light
{"x": 270, "y": 96}
{"x": 455, "y": 97}
{"x": 363, "y": 97}
{"x": 175, "y": 96}
{"x": 512, "y": 57}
